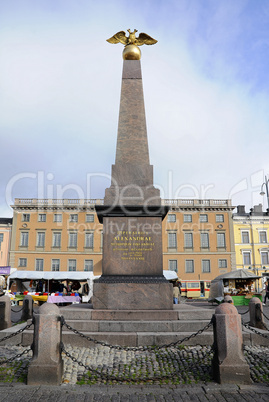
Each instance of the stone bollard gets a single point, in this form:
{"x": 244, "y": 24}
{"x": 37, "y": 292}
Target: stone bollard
{"x": 5, "y": 312}
{"x": 229, "y": 365}
{"x": 228, "y": 299}
{"x": 255, "y": 313}
{"x": 27, "y": 308}
{"x": 46, "y": 367}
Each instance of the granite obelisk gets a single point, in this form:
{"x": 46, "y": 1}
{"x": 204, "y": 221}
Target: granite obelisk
{"x": 132, "y": 269}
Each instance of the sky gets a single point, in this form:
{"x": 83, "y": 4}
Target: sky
{"x": 206, "y": 91}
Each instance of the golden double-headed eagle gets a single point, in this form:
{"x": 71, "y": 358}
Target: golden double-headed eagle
{"x": 143, "y": 39}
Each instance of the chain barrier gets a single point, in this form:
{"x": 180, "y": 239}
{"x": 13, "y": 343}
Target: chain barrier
{"x": 15, "y": 357}
{"x": 136, "y": 348}
{"x": 265, "y": 316}
{"x": 244, "y": 312}
{"x": 108, "y": 377}
{"x": 16, "y": 333}
{"x": 255, "y": 331}
{"x": 17, "y": 311}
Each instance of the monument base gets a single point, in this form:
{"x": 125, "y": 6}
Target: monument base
{"x": 133, "y": 296}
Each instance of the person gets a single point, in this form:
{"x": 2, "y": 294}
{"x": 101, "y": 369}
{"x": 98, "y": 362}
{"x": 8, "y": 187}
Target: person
{"x": 175, "y": 293}
{"x": 266, "y": 292}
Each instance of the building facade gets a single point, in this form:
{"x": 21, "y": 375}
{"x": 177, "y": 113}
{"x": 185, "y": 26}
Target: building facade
{"x": 251, "y": 231}
{"x": 5, "y": 238}
{"x": 60, "y": 235}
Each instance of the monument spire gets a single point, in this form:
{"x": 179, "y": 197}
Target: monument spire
{"x": 132, "y": 167}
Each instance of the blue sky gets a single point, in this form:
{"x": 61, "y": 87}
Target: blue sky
{"x": 206, "y": 89}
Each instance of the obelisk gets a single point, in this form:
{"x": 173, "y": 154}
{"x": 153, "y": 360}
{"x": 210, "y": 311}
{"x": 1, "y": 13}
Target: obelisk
{"x": 132, "y": 269}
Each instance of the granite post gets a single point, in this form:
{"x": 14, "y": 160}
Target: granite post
{"x": 5, "y": 312}
{"x": 255, "y": 313}
{"x": 132, "y": 269}
{"x": 46, "y": 367}
{"x": 229, "y": 365}
{"x": 27, "y": 308}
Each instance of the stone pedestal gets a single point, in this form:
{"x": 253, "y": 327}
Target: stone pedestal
{"x": 5, "y": 312}
{"x": 46, "y": 367}
{"x": 229, "y": 365}
{"x": 255, "y": 313}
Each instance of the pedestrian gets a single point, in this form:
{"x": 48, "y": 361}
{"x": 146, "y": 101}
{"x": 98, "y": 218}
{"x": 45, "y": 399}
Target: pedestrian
{"x": 175, "y": 293}
{"x": 266, "y": 292}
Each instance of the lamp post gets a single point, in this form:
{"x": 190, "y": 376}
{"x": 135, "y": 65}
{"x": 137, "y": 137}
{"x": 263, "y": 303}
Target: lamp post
{"x": 267, "y": 191}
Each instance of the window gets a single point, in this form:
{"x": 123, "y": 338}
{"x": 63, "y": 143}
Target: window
{"x": 221, "y": 243}
{"x": 57, "y": 218}
{"x": 204, "y": 240}
{"x": 89, "y": 218}
{"x": 72, "y": 265}
{"x": 172, "y": 265}
{"x": 245, "y": 237}
{"x": 101, "y": 239}
{"x": 40, "y": 241}
{"x": 222, "y": 263}
{"x": 1, "y": 238}
{"x": 39, "y": 264}
{"x": 206, "y": 266}
{"x": 188, "y": 241}
{"x": 89, "y": 240}
{"x": 246, "y": 258}
{"x": 172, "y": 240}
{"x": 203, "y": 218}
{"x": 55, "y": 264}
{"x": 73, "y": 239}
{"x": 171, "y": 218}
{"x": 56, "y": 239}
{"x": 219, "y": 218}
{"x": 189, "y": 266}
{"x": 264, "y": 258}
{"x": 73, "y": 217}
{"x": 88, "y": 265}
{"x": 22, "y": 262}
{"x": 24, "y": 239}
{"x": 42, "y": 217}
{"x": 26, "y": 217}
{"x": 263, "y": 237}
{"x": 187, "y": 218}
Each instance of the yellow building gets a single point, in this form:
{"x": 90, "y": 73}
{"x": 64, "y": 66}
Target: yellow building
{"x": 5, "y": 237}
{"x": 53, "y": 235}
{"x": 251, "y": 231}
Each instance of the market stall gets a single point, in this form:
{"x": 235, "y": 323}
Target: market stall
{"x": 239, "y": 284}
{"x": 46, "y": 280}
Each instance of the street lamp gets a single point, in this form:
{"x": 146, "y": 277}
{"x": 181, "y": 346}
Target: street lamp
{"x": 267, "y": 191}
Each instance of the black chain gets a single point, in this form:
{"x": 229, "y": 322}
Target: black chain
{"x": 15, "y": 357}
{"x": 255, "y": 331}
{"x": 17, "y": 311}
{"x": 138, "y": 348}
{"x": 244, "y": 312}
{"x": 16, "y": 333}
{"x": 109, "y": 377}
{"x": 265, "y": 316}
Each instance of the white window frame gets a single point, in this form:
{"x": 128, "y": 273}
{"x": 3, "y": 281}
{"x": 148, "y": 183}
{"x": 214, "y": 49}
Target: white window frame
{"x": 219, "y": 218}
{"x": 221, "y": 244}
{"x": 89, "y": 240}
{"x": 221, "y": 265}
{"x": 245, "y": 253}
{"x": 172, "y": 265}
{"x": 23, "y": 262}
{"x": 203, "y": 218}
{"x": 58, "y": 218}
{"x": 188, "y": 240}
{"x": 55, "y": 239}
{"x": 245, "y": 233}
{"x": 73, "y": 218}
{"x": 89, "y": 217}
{"x": 172, "y": 240}
{"x": 171, "y": 218}
{"x": 55, "y": 264}
{"x": 73, "y": 240}
{"x": 187, "y": 269}
{"x": 25, "y": 218}
{"x": 72, "y": 263}
{"x": 88, "y": 265}
{"x": 206, "y": 266}
{"x": 40, "y": 239}
{"x": 187, "y": 218}
{"x": 265, "y": 253}
{"x": 42, "y": 217}
{"x": 24, "y": 240}
{"x": 204, "y": 239}
{"x": 264, "y": 232}
{"x": 39, "y": 264}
